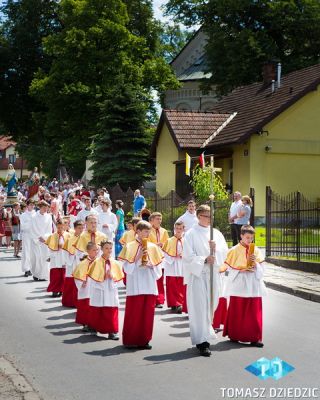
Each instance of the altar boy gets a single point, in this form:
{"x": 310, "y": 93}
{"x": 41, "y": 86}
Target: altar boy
{"x": 159, "y": 236}
{"x": 246, "y": 288}
{"x": 175, "y": 289}
{"x": 142, "y": 264}
{"x": 55, "y": 243}
{"x": 104, "y": 273}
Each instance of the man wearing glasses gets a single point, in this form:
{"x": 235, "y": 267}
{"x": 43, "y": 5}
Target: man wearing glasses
{"x": 197, "y": 259}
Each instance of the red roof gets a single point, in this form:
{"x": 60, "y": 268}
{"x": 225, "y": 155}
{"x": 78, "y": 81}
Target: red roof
{"x": 236, "y": 116}
{"x": 191, "y": 129}
{"x": 5, "y": 142}
{"x": 256, "y": 105}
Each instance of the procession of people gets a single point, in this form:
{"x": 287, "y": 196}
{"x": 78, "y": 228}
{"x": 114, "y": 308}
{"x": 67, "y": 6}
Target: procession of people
{"x": 85, "y": 252}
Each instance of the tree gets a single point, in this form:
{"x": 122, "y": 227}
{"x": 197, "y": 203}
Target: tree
{"x": 201, "y": 184}
{"x": 243, "y": 34}
{"x": 94, "y": 47}
{"x": 24, "y": 25}
{"x": 120, "y": 150}
{"x": 188, "y": 12}
{"x": 173, "y": 39}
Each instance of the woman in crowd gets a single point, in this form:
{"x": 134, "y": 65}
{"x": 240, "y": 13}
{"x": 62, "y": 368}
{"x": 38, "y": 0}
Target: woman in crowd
{"x": 121, "y": 227}
{"x": 244, "y": 212}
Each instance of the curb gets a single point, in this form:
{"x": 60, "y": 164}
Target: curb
{"x": 304, "y": 294}
{"x": 18, "y": 380}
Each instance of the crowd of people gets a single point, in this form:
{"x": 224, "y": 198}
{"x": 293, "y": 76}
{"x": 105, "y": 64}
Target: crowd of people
{"x": 72, "y": 239}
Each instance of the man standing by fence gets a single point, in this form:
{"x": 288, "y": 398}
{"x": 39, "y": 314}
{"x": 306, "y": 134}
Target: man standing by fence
{"x": 233, "y": 218}
{"x": 139, "y": 203}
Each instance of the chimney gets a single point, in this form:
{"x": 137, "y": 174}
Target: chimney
{"x": 279, "y": 75}
{"x": 269, "y": 72}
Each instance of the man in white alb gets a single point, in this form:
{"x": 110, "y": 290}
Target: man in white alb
{"x": 189, "y": 218}
{"x": 196, "y": 262}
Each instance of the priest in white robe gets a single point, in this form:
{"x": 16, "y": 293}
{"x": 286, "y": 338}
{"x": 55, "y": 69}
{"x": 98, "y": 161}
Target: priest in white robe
{"x": 41, "y": 228}
{"x": 108, "y": 222}
{"x": 196, "y": 262}
{"x": 25, "y": 226}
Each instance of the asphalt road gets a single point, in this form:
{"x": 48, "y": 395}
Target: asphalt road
{"x": 62, "y": 363}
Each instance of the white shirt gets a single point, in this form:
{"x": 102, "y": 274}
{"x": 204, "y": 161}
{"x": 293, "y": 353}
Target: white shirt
{"x": 234, "y": 209}
{"x": 84, "y": 213}
{"x": 188, "y": 219}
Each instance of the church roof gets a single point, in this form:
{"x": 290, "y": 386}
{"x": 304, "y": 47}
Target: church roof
{"x": 196, "y": 71}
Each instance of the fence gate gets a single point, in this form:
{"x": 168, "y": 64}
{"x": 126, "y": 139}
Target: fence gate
{"x": 292, "y": 227}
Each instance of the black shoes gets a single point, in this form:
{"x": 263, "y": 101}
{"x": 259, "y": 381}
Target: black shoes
{"x": 55, "y": 294}
{"x": 146, "y": 347}
{"x": 135, "y": 347}
{"x": 204, "y": 349}
{"x": 179, "y": 310}
{"x": 35, "y": 279}
{"x": 159, "y": 305}
{"x": 113, "y": 336}
{"x": 256, "y": 344}
{"x": 27, "y": 273}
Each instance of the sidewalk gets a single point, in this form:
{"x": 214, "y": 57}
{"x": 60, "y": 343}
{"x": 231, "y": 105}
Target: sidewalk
{"x": 299, "y": 283}
{"x": 13, "y": 385}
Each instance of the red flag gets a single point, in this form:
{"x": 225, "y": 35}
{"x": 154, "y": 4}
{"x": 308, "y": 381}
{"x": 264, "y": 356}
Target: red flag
{"x": 201, "y": 160}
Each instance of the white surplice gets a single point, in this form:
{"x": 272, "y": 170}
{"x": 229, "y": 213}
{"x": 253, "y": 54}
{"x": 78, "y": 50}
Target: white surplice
{"x": 111, "y": 220}
{"x": 188, "y": 219}
{"x": 197, "y": 277}
{"x": 141, "y": 280}
{"x": 57, "y": 257}
{"x": 173, "y": 265}
{"x": 103, "y": 294}
{"x": 25, "y": 226}
{"x": 41, "y": 226}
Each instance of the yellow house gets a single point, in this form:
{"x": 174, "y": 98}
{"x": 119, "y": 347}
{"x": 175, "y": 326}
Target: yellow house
{"x": 263, "y": 134}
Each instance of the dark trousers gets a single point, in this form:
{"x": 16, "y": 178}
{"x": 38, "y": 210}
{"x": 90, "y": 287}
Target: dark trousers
{"x": 65, "y": 208}
{"x": 235, "y": 233}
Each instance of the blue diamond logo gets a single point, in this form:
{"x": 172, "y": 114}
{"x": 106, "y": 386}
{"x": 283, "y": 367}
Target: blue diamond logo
{"x": 265, "y": 368}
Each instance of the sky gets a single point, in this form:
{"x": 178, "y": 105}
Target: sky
{"x": 156, "y": 7}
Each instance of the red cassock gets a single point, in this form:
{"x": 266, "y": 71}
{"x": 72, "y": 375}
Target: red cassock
{"x": 56, "y": 280}
{"x": 82, "y": 315}
{"x": 175, "y": 291}
{"x": 220, "y": 313}
{"x": 103, "y": 319}
{"x": 244, "y": 319}
{"x": 70, "y": 292}
{"x": 138, "y": 320}
{"x": 161, "y": 297}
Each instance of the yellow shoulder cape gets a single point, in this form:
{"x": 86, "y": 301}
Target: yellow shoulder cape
{"x": 237, "y": 258}
{"x": 171, "y": 246}
{"x": 69, "y": 244}
{"x": 97, "y": 270}
{"x": 87, "y": 237}
{"x": 130, "y": 252}
{"x": 158, "y": 235}
{"x": 81, "y": 270}
{"x": 53, "y": 240}
{"x": 128, "y": 236}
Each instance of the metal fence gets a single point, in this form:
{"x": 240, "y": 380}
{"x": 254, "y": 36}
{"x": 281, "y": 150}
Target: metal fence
{"x": 292, "y": 227}
{"x": 173, "y": 206}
